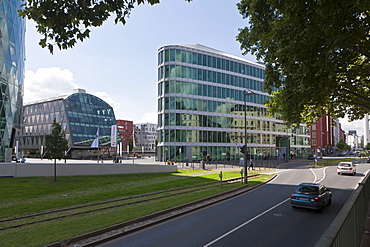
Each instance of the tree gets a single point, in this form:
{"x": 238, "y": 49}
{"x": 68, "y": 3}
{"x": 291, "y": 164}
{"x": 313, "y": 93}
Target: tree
{"x": 62, "y": 23}
{"x": 317, "y": 56}
{"x": 56, "y": 144}
{"x": 342, "y": 145}
{"x": 367, "y": 146}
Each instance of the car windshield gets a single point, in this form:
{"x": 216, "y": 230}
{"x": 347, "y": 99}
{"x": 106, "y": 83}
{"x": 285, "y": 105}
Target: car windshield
{"x": 308, "y": 190}
{"x": 345, "y": 164}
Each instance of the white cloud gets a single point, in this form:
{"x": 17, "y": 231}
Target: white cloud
{"x": 149, "y": 117}
{"x": 46, "y": 83}
{"x": 357, "y": 125}
{"x": 104, "y": 96}
{"x": 52, "y": 82}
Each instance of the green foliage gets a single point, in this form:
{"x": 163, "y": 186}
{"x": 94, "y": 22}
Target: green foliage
{"x": 342, "y": 145}
{"x": 367, "y": 146}
{"x": 55, "y": 143}
{"x": 64, "y": 23}
{"x": 316, "y": 54}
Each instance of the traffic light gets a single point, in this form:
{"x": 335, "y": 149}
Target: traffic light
{"x": 242, "y": 149}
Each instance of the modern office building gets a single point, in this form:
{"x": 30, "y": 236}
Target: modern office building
{"x": 146, "y": 133}
{"x": 202, "y": 94}
{"x": 80, "y": 115}
{"x": 12, "y": 58}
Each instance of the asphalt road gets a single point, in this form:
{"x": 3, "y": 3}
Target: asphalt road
{"x": 261, "y": 217}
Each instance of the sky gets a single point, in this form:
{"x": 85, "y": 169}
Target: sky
{"x": 118, "y": 63}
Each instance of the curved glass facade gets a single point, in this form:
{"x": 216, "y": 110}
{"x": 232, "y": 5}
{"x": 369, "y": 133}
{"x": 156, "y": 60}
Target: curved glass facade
{"x": 201, "y": 108}
{"x": 85, "y": 114}
{"x": 80, "y": 115}
{"x": 12, "y": 57}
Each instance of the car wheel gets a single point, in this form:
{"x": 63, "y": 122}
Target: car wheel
{"x": 294, "y": 206}
{"x": 329, "y": 202}
{"x": 321, "y": 209}
{"x": 338, "y": 173}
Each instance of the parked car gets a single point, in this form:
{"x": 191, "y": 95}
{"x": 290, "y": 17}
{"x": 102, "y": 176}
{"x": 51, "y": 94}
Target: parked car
{"x": 312, "y": 157}
{"x": 368, "y": 160}
{"x": 346, "y": 168}
{"x": 311, "y": 196}
{"x": 342, "y": 153}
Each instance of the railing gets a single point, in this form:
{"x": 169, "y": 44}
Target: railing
{"x": 347, "y": 228}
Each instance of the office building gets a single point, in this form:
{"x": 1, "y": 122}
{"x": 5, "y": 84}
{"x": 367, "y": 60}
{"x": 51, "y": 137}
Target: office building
{"x": 126, "y": 131}
{"x": 323, "y": 134}
{"x": 80, "y": 114}
{"x": 146, "y": 134}
{"x": 201, "y": 108}
{"x": 12, "y": 57}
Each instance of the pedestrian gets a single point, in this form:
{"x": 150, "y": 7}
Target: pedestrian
{"x": 251, "y": 164}
{"x": 208, "y": 159}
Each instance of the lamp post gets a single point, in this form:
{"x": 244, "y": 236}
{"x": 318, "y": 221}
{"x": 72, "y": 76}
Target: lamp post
{"x": 246, "y": 92}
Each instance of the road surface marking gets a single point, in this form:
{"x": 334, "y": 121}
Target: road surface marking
{"x": 315, "y": 177}
{"x": 245, "y": 223}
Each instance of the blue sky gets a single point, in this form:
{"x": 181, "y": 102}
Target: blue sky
{"x": 119, "y": 63}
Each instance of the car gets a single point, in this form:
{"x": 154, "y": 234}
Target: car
{"x": 342, "y": 153}
{"x": 312, "y": 157}
{"x": 368, "y": 160}
{"x": 346, "y": 168}
{"x": 311, "y": 196}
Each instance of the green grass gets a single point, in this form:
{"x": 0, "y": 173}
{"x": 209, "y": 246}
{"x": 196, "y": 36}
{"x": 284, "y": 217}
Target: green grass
{"x": 23, "y": 196}
{"x": 328, "y": 162}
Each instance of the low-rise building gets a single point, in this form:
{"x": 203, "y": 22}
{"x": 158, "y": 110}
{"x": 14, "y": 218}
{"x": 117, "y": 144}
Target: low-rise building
{"x": 146, "y": 134}
{"x": 80, "y": 114}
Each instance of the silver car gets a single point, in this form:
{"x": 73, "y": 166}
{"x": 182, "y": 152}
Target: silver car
{"x": 346, "y": 168}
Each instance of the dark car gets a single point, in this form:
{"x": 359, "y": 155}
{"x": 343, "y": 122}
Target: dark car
{"x": 368, "y": 160}
{"x": 312, "y": 157}
{"x": 312, "y": 196}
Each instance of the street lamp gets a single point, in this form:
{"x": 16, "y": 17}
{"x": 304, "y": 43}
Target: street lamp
{"x": 246, "y": 92}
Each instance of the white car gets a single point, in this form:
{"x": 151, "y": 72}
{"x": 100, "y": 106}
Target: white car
{"x": 346, "y": 168}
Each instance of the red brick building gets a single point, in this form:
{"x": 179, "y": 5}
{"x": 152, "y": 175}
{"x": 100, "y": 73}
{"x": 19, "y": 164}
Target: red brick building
{"x": 322, "y": 136}
{"x": 125, "y": 129}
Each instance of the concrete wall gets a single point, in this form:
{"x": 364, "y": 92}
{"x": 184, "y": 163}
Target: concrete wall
{"x": 42, "y": 170}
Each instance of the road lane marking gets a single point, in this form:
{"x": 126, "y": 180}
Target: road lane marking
{"x": 315, "y": 176}
{"x": 245, "y": 223}
{"x": 324, "y": 171}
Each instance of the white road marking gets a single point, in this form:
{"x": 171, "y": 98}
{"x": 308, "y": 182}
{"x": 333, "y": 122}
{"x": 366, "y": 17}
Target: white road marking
{"x": 245, "y": 223}
{"x": 315, "y": 176}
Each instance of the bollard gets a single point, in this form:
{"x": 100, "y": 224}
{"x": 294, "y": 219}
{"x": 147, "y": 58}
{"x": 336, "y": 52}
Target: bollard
{"x": 220, "y": 179}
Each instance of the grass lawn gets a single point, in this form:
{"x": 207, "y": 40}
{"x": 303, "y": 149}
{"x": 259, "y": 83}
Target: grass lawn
{"x": 24, "y": 196}
{"x": 328, "y": 162}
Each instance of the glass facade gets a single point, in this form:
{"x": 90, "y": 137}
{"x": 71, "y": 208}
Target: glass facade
{"x": 79, "y": 114}
{"x": 12, "y": 57}
{"x": 201, "y": 108}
